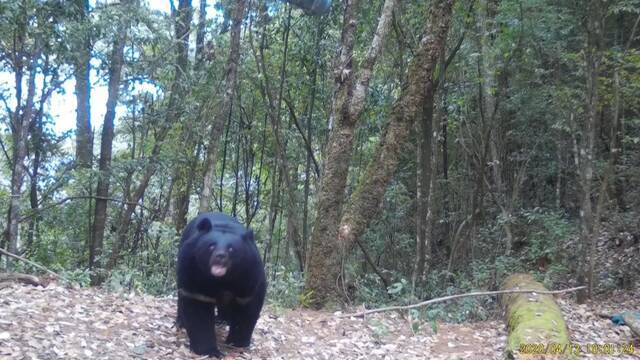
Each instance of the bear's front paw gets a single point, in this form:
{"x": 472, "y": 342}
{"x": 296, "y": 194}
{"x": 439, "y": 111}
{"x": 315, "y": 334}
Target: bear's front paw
{"x": 241, "y": 343}
{"x": 210, "y": 350}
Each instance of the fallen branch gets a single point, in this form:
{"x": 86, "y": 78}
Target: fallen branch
{"x": 451, "y": 297}
{"x": 3, "y": 251}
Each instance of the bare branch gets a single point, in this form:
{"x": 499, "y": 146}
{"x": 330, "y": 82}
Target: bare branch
{"x": 79, "y": 197}
{"x": 458, "y": 296}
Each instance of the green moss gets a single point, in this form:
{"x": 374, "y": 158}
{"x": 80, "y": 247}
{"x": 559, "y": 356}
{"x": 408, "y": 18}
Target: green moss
{"x": 534, "y": 320}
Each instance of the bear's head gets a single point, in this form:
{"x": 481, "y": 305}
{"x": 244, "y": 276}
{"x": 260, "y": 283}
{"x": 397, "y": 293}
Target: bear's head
{"x": 221, "y": 245}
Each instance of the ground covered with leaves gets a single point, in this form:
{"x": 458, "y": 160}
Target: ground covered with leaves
{"x": 56, "y": 322}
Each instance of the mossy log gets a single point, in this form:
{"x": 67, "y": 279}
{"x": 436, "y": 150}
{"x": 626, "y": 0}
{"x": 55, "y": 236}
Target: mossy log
{"x": 535, "y": 323}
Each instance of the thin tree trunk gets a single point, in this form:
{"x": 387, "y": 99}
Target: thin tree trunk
{"x": 200, "y": 33}
{"x": 21, "y": 126}
{"x": 252, "y": 206}
{"x": 424, "y": 136}
{"x": 274, "y": 114}
{"x": 183, "y": 23}
{"x": 445, "y": 165}
{"x": 490, "y": 90}
{"x": 186, "y": 166}
{"x": 236, "y": 183}
{"x": 595, "y": 18}
{"x": 224, "y": 159}
{"x": 37, "y": 142}
{"x": 106, "y": 148}
{"x": 82, "y": 72}
{"x": 307, "y": 169}
{"x": 220, "y": 111}
{"x": 272, "y": 215}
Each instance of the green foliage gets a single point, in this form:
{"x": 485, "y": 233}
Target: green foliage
{"x": 80, "y": 277}
{"x": 546, "y": 234}
{"x": 285, "y": 289}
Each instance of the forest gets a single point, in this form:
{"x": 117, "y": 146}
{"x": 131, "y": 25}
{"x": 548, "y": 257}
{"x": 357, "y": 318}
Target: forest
{"x": 384, "y": 153}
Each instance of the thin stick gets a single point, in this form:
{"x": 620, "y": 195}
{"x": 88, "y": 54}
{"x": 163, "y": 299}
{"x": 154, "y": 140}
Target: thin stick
{"x": 30, "y": 263}
{"x": 451, "y": 297}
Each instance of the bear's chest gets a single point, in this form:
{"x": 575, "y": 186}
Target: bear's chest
{"x": 228, "y": 297}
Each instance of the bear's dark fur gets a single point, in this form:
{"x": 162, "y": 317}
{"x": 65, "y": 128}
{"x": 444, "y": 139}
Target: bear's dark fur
{"x": 219, "y": 268}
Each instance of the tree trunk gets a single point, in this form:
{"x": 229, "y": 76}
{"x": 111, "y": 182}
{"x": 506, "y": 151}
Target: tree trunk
{"x": 106, "y": 148}
{"x": 187, "y": 164}
{"x": 221, "y": 111}
{"x": 364, "y": 204}
{"x": 307, "y": 168}
{"x": 225, "y": 145}
{"x": 82, "y": 72}
{"x": 21, "y": 124}
{"x": 274, "y": 107}
{"x": 595, "y": 18}
{"x": 446, "y": 225}
{"x": 37, "y": 142}
{"x": 349, "y": 101}
{"x": 490, "y": 90}
{"x": 274, "y": 205}
{"x": 424, "y": 136}
{"x": 236, "y": 183}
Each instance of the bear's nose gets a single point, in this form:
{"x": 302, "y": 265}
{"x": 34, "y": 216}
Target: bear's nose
{"x": 220, "y": 256}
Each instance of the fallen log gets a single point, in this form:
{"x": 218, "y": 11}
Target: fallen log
{"x": 534, "y": 321}
{"x": 6, "y": 278}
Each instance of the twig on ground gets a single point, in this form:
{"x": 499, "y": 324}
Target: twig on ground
{"x": 457, "y": 296}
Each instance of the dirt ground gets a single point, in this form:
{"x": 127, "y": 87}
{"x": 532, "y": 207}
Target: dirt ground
{"x": 56, "y": 322}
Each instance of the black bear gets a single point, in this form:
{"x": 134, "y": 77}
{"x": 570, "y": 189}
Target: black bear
{"x": 219, "y": 269}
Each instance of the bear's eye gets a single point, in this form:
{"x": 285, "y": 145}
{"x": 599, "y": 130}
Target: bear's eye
{"x": 230, "y": 249}
{"x": 212, "y": 246}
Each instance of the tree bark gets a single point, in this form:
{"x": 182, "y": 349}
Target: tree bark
{"x": 106, "y": 147}
{"x": 349, "y": 101}
{"x": 21, "y": 124}
{"x": 491, "y": 89}
{"x": 364, "y": 204}
{"x": 220, "y": 111}
{"x": 37, "y": 139}
{"x": 585, "y": 156}
{"x": 274, "y": 107}
{"x": 82, "y": 71}
{"x": 188, "y": 162}
{"x": 307, "y": 168}
{"x": 424, "y": 136}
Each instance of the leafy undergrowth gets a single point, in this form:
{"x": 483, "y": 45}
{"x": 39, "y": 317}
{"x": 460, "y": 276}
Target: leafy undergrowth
{"x": 57, "y": 322}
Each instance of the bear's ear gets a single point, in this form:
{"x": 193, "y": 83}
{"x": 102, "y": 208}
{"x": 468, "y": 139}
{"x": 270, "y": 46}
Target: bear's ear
{"x": 248, "y": 236}
{"x": 204, "y": 225}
